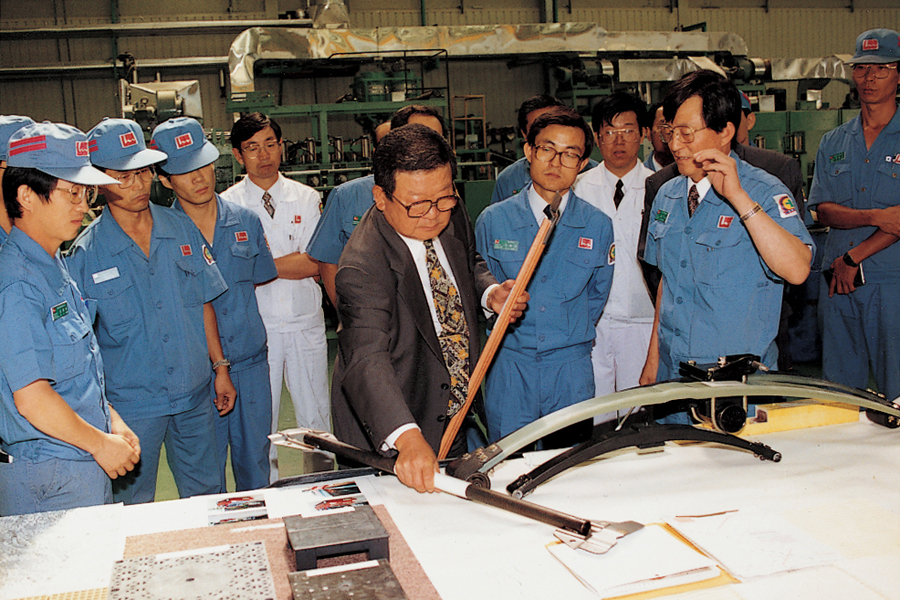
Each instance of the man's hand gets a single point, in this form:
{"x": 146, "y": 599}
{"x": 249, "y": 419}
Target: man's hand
{"x": 416, "y": 463}
{"x": 842, "y": 281}
{"x": 498, "y": 296}
{"x": 721, "y": 170}
{"x": 890, "y": 220}
{"x": 119, "y": 427}
{"x": 648, "y": 373}
{"x": 115, "y": 455}
{"x": 225, "y": 392}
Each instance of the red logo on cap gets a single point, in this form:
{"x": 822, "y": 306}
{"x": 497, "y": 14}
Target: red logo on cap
{"x": 128, "y": 139}
{"x": 240, "y": 236}
{"x": 186, "y": 250}
{"x": 81, "y": 149}
{"x": 869, "y": 45}
{"x": 183, "y": 141}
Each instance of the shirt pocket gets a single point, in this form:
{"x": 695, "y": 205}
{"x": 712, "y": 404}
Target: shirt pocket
{"x": 71, "y": 354}
{"x": 887, "y": 185}
{"x": 244, "y": 259}
{"x": 116, "y": 302}
{"x": 720, "y": 257}
{"x": 189, "y": 281}
{"x": 577, "y": 268}
{"x": 841, "y": 175}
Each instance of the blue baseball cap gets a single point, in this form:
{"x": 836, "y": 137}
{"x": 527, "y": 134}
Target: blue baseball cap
{"x": 119, "y": 145}
{"x": 876, "y": 46}
{"x": 745, "y": 101}
{"x": 185, "y": 144}
{"x": 57, "y": 149}
{"x": 9, "y": 124}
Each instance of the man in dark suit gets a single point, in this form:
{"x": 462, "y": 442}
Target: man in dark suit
{"x": 392, "y": 389}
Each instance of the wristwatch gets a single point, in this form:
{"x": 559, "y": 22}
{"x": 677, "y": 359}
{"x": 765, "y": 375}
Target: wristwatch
{"x": 848, "y": 260}
{"x": 221, "y": 363}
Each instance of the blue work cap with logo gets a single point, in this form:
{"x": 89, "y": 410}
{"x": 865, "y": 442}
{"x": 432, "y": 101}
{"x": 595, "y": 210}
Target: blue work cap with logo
{"x": 57, "y": 149}
{"x": 876, "y": 46}
{"x": 183, "y": 141}
{"x": 9, "y": 124}
{"x": 119, "y": 145}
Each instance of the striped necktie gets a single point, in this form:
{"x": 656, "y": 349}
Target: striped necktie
{"x": 267, "y": 202}
{"x": 693, "y": 200}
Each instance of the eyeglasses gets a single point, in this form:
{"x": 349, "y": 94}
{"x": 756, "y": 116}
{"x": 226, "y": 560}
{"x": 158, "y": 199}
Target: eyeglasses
{"x": 419, "y": 209}
{"x": 609, "y": 136}
{"x": 79, "y": 193}
{"x": 566, "y": 158}
{"x": 126, "y": 180}
{"x": 877, "y": 71}
{"x": 252, "y": 150}
{"x": 684, "y": 133}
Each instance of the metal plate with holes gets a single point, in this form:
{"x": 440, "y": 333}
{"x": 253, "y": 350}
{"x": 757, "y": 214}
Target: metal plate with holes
{"x": 336, "y": 534}
{"x": 376, "y": 582}
{"x": 235, "y": 572}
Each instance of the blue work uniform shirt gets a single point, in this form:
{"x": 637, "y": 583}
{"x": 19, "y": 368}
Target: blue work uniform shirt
{"x": 570, "y": 286}
{"x": 150, "y": 311}
{"x": 851, "y": 175}
{"x": 719, "y": 296}
{"x": 244, "y": 260}
{"x": 346, "y": 205}
{"x": 45, "y": 333}
{"x": 3, "y": 236}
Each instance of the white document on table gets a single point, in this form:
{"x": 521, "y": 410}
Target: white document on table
{"x": 753, "y": 543}
{"x": 648, "y": 559}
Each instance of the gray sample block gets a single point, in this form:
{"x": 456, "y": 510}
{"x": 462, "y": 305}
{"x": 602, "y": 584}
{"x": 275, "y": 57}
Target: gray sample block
{"x": 335, "y": 535}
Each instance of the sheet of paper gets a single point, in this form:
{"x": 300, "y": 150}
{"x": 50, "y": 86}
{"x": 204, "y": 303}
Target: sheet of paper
{"x": 823, "y": 583}
{"x": 60, "y": 551}
{"x": 752, "y": 543}
{"x": 313, "y": 500}
{"x": 648, "y": 559}
{"x": 856, "y": 529}
{"x": 159, "y": 517}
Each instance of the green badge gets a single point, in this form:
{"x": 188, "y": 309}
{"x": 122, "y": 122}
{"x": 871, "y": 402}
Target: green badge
{"x": 661, "y": 216}
{"x": 60, "y": 310}
{"x": 356, "y": 220}
{"x": 836, "y": 157}
{"x": 508, "y": 245}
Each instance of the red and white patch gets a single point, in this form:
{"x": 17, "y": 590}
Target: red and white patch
{"x": 128, "y": 139}
{"x": 870, "y": 45}
{"x": 297, "y": 219}
{"x": 240, "y": 236}
{"x": 725, "y": 221}
{"x": 81, "y": 149}
{"x": 183, "y": 141}
{"x": 186, "y": 250}
{"x": 586, "y": 243}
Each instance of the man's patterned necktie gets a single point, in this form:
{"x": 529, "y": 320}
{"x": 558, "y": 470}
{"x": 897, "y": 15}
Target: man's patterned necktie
{"x": 693, "y": 200}
{"x": 267, "y": 202}
{"x": 454, "y": 336}
{"x": 618, "y": 194}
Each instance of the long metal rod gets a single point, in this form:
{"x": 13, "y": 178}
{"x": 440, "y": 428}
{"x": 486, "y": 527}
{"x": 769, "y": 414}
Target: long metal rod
{"x": 451, "y": 485}
{"x": 523, "y": 278}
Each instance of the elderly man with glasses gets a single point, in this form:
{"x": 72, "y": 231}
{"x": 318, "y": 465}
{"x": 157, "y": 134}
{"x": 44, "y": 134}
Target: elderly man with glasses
{"x": 726, "y": 236}
{"x": 856, "y": 192}
{"x": 149, "y": 273}
{"x": 63, "y": 441}
{"x": 409, "y": 286}
{"x": 544, "y": 363}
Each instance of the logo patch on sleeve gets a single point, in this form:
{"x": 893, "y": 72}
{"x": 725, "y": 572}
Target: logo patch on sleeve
{"x": 60, "y": 310}
{"x": 586, "y": 243}
{"x": 661, "y": 216}
{"x": 611, "y": 255}
{"x": 240, "y": 236}
{"x": 207, "y": 256}
{"x": 507, "y": 245}
{"x": 186, "y": 250}
{"x": 786, "y": 206}
{"x": 725, "y": 221}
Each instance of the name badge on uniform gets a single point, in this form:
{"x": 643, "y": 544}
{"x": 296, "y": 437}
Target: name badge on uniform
{"x": 207, "y": 256}
{"x": 661, "y": 216}
{"x": 725, "y": 221}
{"x": 106, "y": 275}
{"x": 186, "y": 250}
{"x": 297, "y": 219}
{"x": 836, "y": 157}
{"x": 356, "y": 220}
{"x": 586, "y": 243}
{"x": 611, "y": 255}
{"x": 60, "y": 310}
{"x": 786, "y": 206}
{"x": 508, "y": 245}
{"x": 240, "y": 236}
